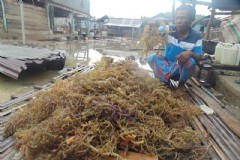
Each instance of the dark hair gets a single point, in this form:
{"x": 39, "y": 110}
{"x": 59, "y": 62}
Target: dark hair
{"x": 190, "y": 9}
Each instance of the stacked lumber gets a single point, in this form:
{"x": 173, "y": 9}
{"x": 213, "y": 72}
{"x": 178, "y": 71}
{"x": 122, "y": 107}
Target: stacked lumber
{"x": 221, "y": 129}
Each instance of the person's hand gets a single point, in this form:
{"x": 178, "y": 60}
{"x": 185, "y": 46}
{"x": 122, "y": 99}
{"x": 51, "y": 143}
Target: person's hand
{"x": 183, "y": 57}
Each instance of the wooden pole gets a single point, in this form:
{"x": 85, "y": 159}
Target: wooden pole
{"x": 72, "y": 23}
{"x": 49, "y": 18}
{"x": 22, "y": 21}
{"x": 217, "y": 149}
{"x": 4, "y": 16}
{"x": 209, "y": 24}
{"x": 132, "y": 32}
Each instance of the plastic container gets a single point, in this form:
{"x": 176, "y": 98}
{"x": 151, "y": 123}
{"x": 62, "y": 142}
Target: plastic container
{"x": 163, "y": 30}
{"x": 218, "y": 52}
{"x": 238, "y": 58}
{"x": 230, "y": 55}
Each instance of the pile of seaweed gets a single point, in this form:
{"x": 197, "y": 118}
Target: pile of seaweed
{"x": 152, "y": 38}
{"x": 94, "y": 115}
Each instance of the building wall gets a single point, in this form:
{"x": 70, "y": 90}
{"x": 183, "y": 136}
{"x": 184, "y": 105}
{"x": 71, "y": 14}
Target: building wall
{"x": 35, "y": 20}
{"x": 116, "y": 31}
{"x": 77, "y": 5}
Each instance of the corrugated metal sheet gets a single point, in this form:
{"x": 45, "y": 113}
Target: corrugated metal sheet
{"x": 20, "y": 52}
{"x": 77, "y": 5}
{"x": 15, "y": 59}
{"x": 123, "y": 22}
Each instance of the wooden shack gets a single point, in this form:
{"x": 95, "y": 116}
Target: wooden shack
{"x": 123, "y": 27}
{"x": 35, "y": 19}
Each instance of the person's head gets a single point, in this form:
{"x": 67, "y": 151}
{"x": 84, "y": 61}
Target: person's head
{"x": 185, "y": 15}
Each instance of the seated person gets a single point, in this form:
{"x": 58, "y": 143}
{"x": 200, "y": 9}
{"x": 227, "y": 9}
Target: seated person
{"x": 183, "y": 49}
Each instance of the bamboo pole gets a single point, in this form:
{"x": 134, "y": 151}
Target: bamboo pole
{"x": 48, "y": 16}
{"x": 210, "y": 23}
{"x": 227, "y": 138}
{"x": 231, "y": 134}
{"x": 210, "y": 140}
{"x": 22, "y": 21}
{"x": 4, "y": 16}
{"x": 227, "y": 149}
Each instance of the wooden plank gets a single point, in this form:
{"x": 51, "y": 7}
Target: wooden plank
{"x": 31, "y": 14}
{"x": 231, "y": 139}
{"x": 228, "y": 119}
{"x": 18, "y": 22}
{"x": 14, "y": 6}
{"x": 205, "y": 141}
{"x": 27, "y": 19}
{"x": 222, "y": 143}
{"x": 229, "y": 132}
{"x": 27, "y": 32}
{"x": 3, "y": 34}
{"x": 29, "y": 27}
{"x": 29, "y": 37}
{"x": 210, "y": 140}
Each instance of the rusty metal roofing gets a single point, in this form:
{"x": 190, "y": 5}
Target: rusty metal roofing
{"x": 16, "y": 59}
{"x": 124, "y": 22}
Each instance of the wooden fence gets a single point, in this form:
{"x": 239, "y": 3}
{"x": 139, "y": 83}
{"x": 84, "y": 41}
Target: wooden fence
{"x": 35, "y": 21}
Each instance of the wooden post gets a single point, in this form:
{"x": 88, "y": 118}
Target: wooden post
{"x": 51, "y": 10}
{"x": 48, "y": 16}
{"x": 22, "y": 21}
{"x": 88, "y": 25}
{"x": 207, "y": 37}
{"x": 132, "y": 32}
{"x": 4, "y": 16}
{"x": 71, "y": 22}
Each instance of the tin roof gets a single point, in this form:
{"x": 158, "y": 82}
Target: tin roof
{"x": 124, "y": 22}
